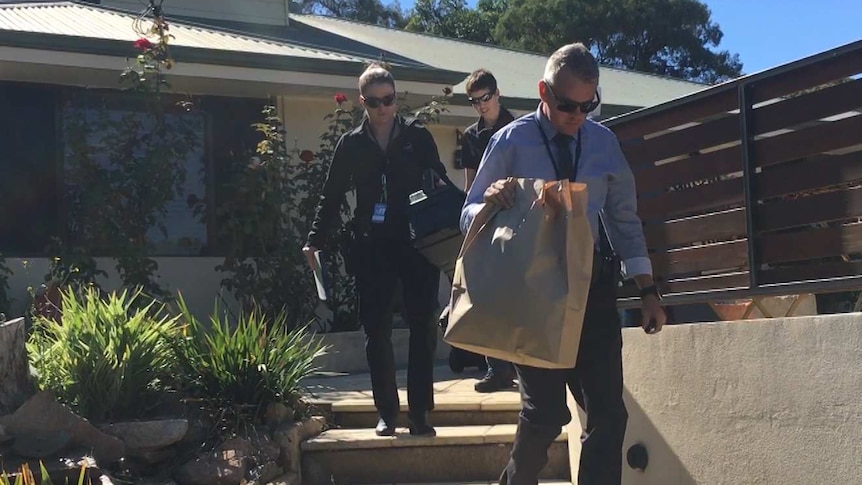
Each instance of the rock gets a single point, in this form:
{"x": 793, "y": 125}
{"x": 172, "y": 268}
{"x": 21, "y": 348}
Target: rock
{"x": 41, "y": 445}
{"x": 290, "y": 436}
{"x": 277, "y": 413}
{"x": 148, "y": 435}
{"x": 264, "y": 473}
{"x": 265, "y": 449}
{"x": 5, "y": 438}
{"x": 43, "y": 415}
{"x": 151, "y": 457}
{"x": 225, "y": 466}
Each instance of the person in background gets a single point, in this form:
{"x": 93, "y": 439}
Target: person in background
{"x": 484, "y": 96}
{"x": 385, "y": 159}
{"x": 558, "y": 142}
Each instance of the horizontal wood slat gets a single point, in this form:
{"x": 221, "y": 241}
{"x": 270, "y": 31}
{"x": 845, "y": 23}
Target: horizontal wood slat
{"x": 713, "y": 227}
{"x": 813, "y": 173}
{"x": 684, "y": 142}
{"x": 698, "y": 167}
{"x": 728, "y": 256}
{"x": 714, "y": 196}
{"x": 810, "y": 244}
{"x": 812, "y": 106}
{"x": 690, "y": 285}
{"x": 804, "y": 143}
{"x": 827, "y": 207}
{"x": 805, "y": 77}
{"x": 719, "y": 102}
{"x": 807, "y": 272}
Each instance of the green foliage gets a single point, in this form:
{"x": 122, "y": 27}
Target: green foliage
{"x": 376, "y": 12}
{"x": 25, "y": 476}
{"x": 667, "y": 37}
{"x": 452, "y": 18}
{"x": 244, "y": 364}
{"x": 109, "y": 356}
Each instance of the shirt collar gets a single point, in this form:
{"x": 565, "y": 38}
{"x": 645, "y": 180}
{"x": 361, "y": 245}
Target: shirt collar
{"x": 548, "y": 129}
{"x": 503, "y": 119}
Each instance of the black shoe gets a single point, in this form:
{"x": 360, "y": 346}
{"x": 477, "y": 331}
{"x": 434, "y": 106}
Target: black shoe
{"x": 494, "y": 382}
{"x": 385, "y": 427}
{"x": 419, "y": 425}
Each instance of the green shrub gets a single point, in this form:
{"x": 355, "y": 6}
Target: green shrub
{"x": 251, "y": 363}
{"x": 108, "y": 355}
{"x": 25, "y": 476}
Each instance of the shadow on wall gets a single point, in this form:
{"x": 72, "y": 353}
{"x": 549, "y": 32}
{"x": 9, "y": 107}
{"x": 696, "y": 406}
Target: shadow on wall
{"x": 663, "y": 466}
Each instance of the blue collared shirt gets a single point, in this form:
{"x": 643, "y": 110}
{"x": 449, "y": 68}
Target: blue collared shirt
{"x": 518, "y": 150}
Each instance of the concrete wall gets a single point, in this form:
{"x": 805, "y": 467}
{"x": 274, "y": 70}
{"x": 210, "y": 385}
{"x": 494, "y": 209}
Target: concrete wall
{"x": 754, "y": 402}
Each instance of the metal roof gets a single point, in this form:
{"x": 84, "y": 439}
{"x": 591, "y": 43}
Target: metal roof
{"x": 517, "y": 72}
{"x": 94, "y": 22}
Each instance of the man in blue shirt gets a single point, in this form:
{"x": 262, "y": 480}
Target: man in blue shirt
{"x": 559, "y": 142}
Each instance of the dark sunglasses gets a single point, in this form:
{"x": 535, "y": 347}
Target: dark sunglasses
{"x": 373, "y": 102}
{"x": 569, "y": 106}
{"x": 481, "y": 99}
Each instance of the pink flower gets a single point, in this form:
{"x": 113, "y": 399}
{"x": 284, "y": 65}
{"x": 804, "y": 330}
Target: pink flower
{"x": 340, "y": 98}
{"x": 143, "y": 44}
{"x": 306, "y": 156}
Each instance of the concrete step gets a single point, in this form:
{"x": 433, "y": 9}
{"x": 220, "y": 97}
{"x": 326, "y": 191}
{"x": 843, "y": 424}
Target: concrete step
{"x": 459, "y": 410}
{"x": 458, "y": 454}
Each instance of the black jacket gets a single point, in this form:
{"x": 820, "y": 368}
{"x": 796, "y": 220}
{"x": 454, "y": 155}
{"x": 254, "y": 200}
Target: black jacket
{"x": 477, "y": 136}
{"x": 358, "y": 163}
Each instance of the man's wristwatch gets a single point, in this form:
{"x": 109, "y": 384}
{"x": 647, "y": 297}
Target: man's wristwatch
{"x": 650, "y": 290}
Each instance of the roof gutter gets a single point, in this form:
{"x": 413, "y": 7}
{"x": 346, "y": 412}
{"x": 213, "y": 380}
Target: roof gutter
{"x": 118, "y": 48}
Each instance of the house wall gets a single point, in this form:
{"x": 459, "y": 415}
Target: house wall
{"x": 758, "y": 401}
{"x": 269, "y": 12}
{"x": 196, "y": 277}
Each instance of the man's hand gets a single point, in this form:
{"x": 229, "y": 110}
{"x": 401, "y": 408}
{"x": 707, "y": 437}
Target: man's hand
{"x": 654, "y": 317}
{"x": 502, "y": 193}
{"x": 309, "y": 251}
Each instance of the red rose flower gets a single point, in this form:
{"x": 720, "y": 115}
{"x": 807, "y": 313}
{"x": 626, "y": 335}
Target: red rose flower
{"x": 340, "y": 98}
{"x": 306, "y": 156}
{"x": 143, "y": 44}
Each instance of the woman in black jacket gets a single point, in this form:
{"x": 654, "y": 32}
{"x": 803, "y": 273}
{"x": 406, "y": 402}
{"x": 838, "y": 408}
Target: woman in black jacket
{"x": 385, "y": 160}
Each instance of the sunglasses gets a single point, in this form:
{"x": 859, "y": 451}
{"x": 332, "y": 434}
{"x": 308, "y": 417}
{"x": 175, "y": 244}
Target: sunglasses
{"x": 569, "y": 106}
{"x": 373, "y": 102}
{"x": 481, "y": 99}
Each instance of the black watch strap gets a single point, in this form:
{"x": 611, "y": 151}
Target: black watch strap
{"x": 650, "y": 290}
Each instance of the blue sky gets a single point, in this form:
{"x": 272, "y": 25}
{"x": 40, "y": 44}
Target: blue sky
{"x": 768, "y": 33}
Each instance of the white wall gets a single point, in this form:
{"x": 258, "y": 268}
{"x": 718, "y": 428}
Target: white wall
{"x": 753, "y": 402}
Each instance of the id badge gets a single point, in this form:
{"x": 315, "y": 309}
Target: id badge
{"x": 379, "y": 214}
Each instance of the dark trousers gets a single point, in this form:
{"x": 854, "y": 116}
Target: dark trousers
{"x": 499, "y": 367}
{"x": 596, "y": 381}
{"x": 381, "y": 266}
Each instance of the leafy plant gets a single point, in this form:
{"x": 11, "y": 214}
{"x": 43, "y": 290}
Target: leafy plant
{"x": 25, "y": 476}
{"x": 246, "y": 364}
{"x": 110, "y": 355}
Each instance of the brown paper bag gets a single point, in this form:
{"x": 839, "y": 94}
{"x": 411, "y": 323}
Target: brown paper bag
{"x": 522, "y": 277}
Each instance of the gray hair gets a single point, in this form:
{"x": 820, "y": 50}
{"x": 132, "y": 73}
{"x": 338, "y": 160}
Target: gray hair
{"x": 374, "y": 74}
{"x": 577, "y": 59}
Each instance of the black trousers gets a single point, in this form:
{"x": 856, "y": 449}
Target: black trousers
{"x": 596, "y": 381}
{"x": 380, "y": 266}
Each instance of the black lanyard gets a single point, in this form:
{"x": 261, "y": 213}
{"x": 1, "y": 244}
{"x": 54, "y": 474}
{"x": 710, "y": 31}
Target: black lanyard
{"x": 604, "y": 242}
{"x": 554, "y": 159}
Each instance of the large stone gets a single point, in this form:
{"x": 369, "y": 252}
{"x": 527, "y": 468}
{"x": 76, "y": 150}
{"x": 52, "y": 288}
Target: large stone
{"x": 290, "y": 436}
{"x": 277, "y": 413}
{"x": 287, "y": 479}
{"x": 42, "y": 415}
{"x": 148, "y": 435}
{"x": 227, "y": 465}
{"x": 41, "y": 445}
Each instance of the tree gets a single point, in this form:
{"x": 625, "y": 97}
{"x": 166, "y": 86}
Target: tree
{"x": 453, "y": 18}
{"x": 667, "y": 37}
{"x": 369, "y": 11}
